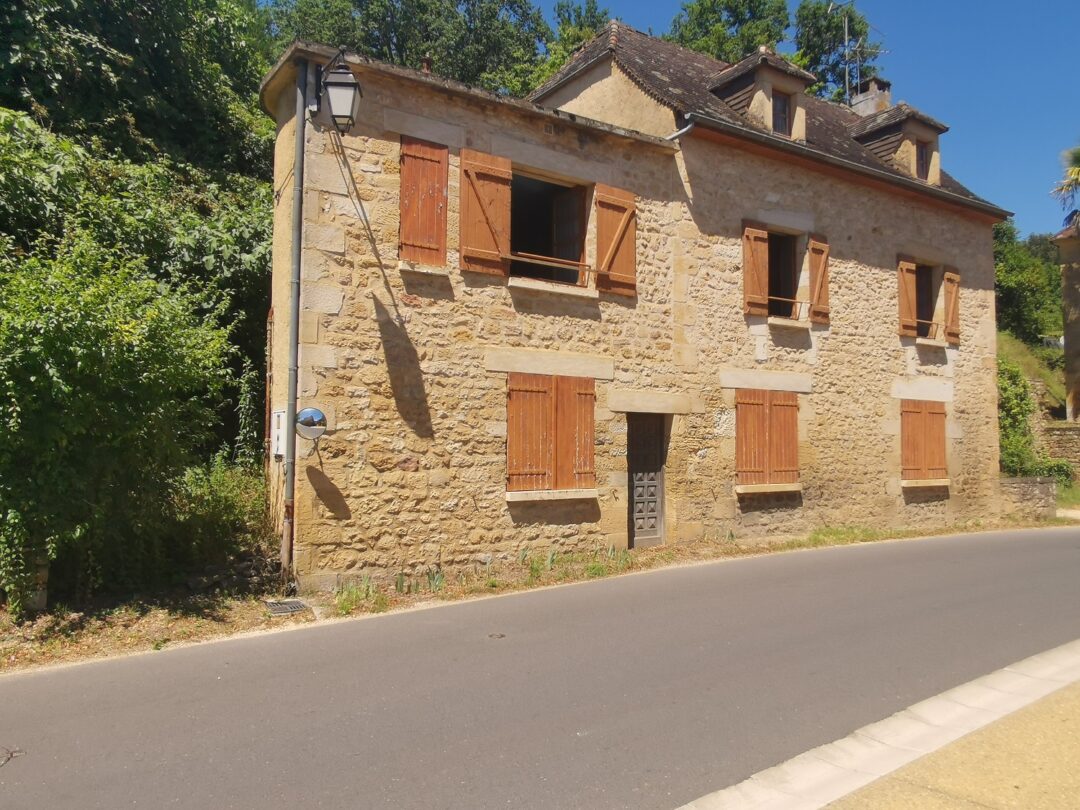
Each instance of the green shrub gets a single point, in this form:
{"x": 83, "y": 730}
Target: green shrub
{"x": 108, "y": 382}
{"x": 219, "y": 510}
{"x": 1019, "y": 455}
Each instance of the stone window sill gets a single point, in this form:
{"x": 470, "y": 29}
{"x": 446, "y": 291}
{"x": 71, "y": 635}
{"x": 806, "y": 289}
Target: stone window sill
{"x": 922, "y": 483}
{"x": 765, "y": 489}
{"x": 552, "y": 495}
{"x": 788, "y": 323}
{"x": 931, "y": 343}
{"x": 405, "y": 266}
{"x": 523, "y": 283}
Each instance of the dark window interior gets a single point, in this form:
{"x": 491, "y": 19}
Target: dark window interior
{"x": 781, "y": 113}
{"x": 925, "y": 299}
{"x": 547, "y": 220}
{"x": 783, "y": 275}
{"x": 922, "y": 160}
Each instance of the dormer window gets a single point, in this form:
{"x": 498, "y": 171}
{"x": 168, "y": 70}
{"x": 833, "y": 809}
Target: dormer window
{"x": 769, "y": 90}
{"x": 781, "y": 114}
{"x": 903, "y": 137}
{"x": 923, "y": 152}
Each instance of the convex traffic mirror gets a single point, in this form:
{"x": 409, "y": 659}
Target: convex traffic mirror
{"x": 310, "y": 423}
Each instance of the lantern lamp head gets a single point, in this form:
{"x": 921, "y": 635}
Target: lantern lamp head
{"x": 342, "y": 92}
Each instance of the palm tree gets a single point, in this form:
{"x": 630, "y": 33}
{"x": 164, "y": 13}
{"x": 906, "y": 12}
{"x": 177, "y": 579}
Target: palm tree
{"x": 1069, "y": 186}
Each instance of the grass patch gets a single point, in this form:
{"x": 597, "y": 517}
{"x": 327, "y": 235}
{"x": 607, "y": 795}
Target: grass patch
{"x": 1034, "y": 367}
{"x": 1068, "y": 497}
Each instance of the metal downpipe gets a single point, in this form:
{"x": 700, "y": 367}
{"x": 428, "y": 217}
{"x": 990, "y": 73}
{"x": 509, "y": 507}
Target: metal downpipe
{"x": 294, "y": 321}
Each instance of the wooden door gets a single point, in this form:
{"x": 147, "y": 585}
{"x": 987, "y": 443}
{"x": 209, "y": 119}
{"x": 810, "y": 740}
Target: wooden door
{"x": 646, "y": 453}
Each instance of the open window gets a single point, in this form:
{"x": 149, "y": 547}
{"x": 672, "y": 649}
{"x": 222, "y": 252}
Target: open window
{"x": 783, "y": 276}
{"x": 927, "y": 290}
{"x": 773, "y": 282}
{"x": 547, "y": 230}
{"x": 515, "y": 223}
{"x": 929, "y": 298}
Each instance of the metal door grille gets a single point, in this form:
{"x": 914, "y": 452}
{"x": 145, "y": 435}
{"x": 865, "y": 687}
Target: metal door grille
{"x": 646, "y": 453}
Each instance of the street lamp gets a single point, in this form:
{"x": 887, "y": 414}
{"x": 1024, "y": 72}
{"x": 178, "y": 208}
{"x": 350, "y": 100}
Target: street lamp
{"x": 342, "y": 92}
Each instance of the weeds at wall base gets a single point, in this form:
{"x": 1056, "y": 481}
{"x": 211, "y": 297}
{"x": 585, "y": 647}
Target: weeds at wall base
{"x": 534, "y": 570}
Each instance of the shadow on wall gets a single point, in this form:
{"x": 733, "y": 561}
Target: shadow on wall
{"x": 926, "y": 495}
{"x": 406, "y": 376}
{"x": 568, "y": 513}
{"x": 327, "y": 492}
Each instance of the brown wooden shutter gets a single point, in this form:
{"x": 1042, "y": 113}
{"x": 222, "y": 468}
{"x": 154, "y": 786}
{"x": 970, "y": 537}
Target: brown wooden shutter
{"x": 752, "y": 436}
{"x": 485, "y": 212}
{"x": 818, "y": 249}
{"x": 934, "y": 441}
{"x": 424, "y": 173}
{"x": 530, "y": 432}
{"x": 783, "y": 437}
{"x": 909, "y": 326}
{"x": 952, "y": 305}
{"x": 912, "y": 440}
{"x": 575, "y": 408}
{"x": 755, "y": 271}
{"x": 616, "y": 240}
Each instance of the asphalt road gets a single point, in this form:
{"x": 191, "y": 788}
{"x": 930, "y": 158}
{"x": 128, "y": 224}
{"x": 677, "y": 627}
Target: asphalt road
{"x": 644, "y": 691}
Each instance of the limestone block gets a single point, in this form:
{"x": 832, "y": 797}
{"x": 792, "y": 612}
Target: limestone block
{"x": 326, "y": 298}
{"x": 318, "y": 356}
{"x": 323, "y": 236}
{"x": 325, "y": 173}
{"x": 686, "y": 357}
{"x": 309, "y": 327}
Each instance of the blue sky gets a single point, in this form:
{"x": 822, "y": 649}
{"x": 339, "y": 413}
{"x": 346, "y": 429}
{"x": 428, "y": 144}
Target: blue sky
{"x": 1003, "y": 76}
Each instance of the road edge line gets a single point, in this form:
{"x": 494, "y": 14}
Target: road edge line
{"x": 829, "y": 772}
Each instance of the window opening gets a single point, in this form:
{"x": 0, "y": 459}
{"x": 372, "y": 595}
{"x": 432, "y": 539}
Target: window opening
{"x": 547, "y": 229}
{"x": 927, "y": 285}
{"x": 922, "y": 160}
{"x": 781, "y": 113}
{"x": 783, "y": 275}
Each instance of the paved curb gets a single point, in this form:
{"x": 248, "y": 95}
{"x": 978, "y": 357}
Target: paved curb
{"x": 830, "y": 772}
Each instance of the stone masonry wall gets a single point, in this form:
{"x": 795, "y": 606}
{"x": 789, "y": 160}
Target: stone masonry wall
{"x": 412, "y": 470}
{"x": 1061, "y": 440}
{"x": 1030, "y": 498}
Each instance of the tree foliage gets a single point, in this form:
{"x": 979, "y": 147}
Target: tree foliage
{"x": 822, "y": 49}
{"x": 129, "y": 290}
{"x": 729, "y": 29}
{"x": 1027, "y": 285}
{"x": 1069, "y": 186}
{"x": 575, "y": 24}
{"x": 494, "y": 44}
{"x": 147, "y": 77}
{"x": 107, "y": 386}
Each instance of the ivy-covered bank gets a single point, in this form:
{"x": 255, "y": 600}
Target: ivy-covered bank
{"x": 134, "y": 297}
{"x": 1016, "y": 409}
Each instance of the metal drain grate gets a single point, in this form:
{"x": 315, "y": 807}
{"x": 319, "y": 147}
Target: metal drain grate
{"x": 283, "y": 607}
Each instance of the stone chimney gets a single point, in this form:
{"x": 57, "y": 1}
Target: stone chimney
{"x": 872, "y": 96}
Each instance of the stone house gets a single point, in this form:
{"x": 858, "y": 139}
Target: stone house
{"x": 663, "y": 299}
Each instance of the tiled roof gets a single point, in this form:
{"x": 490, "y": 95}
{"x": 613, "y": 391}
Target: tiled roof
{"x": 682, "y": 80}
{"x": 892, "y": 115}
{"x": 761, "y": 57}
